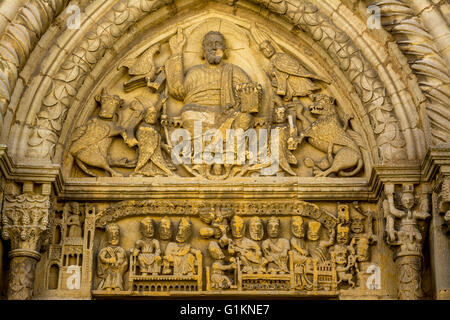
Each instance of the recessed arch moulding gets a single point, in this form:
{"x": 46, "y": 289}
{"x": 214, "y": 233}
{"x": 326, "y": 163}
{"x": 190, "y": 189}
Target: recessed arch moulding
{"x": 388, "y": 130}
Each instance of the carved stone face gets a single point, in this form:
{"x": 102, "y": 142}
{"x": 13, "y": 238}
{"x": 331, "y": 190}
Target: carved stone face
{"x": 407, "y": 200}
{"x": 297, "y": 227}
{"x": 75, "y": 206}
{"x": 341, "y": 257}
{"x": 215, "y": 251}
{"x": 273, "y": 228}
{"x": 237, "y": 227}
{"x": 267, "y": 49}
{"x": 184, "y": 231}
{"x": 214, "y": 47}
{"x": 313, "y": 231}
{"x": 256, "y": 229}
{"x": 113, "y": 233}
{"x": 357, "y": 226}
{"x": 151, "y": 116}
{"x": 165, "y": 229}
{"x": 323, "y": 105}
{"x": 147, "y": 228}
{"x": 342, "y": 237}
{"x": 109, "y": 105}
{"x": 279, "y": 115}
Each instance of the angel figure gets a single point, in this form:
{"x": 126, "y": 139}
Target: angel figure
{"x": 112, "y": 261}
{"x": 151, "y": 161}
{"x": 143, "y": 70}
{"x": 218, "y": 220}
{"x": 289, "y": 77}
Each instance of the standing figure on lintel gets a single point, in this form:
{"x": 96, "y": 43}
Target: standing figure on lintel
{"x": 112, "y": 261}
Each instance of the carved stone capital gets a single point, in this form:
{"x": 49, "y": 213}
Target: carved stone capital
{"x": 25, "y": 222}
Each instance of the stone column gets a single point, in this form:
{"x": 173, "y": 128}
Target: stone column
{"x": 404, "y": 234}
{"x": 25, "y": 223}
{"x": 437, "y": 165}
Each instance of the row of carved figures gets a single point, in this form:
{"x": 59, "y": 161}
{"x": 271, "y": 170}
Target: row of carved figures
{"x": 252, "y": 255}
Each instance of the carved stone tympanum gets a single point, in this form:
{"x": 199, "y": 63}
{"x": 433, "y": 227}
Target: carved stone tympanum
{"x": 202, "y": 149}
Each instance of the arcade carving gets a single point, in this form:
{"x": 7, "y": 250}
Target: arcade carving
{"x": 227, "y": 124}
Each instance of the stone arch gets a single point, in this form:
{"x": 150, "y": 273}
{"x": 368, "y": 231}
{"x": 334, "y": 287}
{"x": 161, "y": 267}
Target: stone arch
{"x": 308, "y": 17}
{"x": 28, "y": 23}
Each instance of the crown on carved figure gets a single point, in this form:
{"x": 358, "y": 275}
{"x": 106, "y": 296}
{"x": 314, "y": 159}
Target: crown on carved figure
{"x": 342, "y": 229}
{"x": 185, "y": 224}
{"x": 314, "y": 226}
{"x": 408, "y": 188}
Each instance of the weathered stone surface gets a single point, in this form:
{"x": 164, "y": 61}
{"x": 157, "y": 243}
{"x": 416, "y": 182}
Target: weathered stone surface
{"x": 209, "y": 148}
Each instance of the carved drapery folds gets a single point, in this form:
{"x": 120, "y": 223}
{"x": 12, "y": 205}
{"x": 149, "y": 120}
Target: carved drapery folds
{"x": 302, "y": 248}
{"x": 405, "y": 230}
{"x": 72, "y": 73}
{"x": 217, "y": 125}
{"x": 230, "y": 124}
{"x": 25, "y": 221}
{"x": 389, "y": 132}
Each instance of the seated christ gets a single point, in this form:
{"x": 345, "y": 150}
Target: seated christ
{"x": 207, "y": 89}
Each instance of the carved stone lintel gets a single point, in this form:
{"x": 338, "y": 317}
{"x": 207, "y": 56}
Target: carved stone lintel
{"x": 25, "y": 223}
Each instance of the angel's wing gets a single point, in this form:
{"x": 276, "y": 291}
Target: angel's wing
{"x": 144, "y": 64}
{"x": 149, "y": 139}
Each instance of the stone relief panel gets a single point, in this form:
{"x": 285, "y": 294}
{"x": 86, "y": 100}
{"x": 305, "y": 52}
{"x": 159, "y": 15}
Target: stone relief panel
{"x": 181, "y": 248}
{"x": 67, "y": 262}
{"x": 216, "y": 101}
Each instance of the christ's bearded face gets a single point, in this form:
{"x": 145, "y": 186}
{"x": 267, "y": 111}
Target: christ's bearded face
{"x": 214, "y": 48}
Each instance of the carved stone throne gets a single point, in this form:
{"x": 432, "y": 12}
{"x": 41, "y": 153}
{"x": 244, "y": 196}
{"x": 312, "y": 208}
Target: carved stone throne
{"x": 266, "y": 281}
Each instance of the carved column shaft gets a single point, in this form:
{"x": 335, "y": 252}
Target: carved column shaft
{"x": 409, "y": 277}
{"x": 21, "y": 275}
{"x": 403, "y": 232}
{"x": 437, "y": 169}
{"x": 25, "y": 223}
